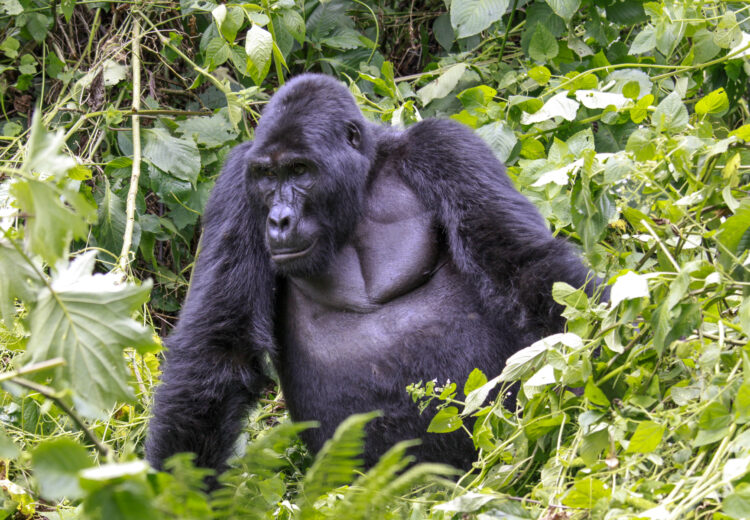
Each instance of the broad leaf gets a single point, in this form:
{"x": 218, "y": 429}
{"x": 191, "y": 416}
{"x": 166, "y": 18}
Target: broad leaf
{"x": 258, "y": 46}
{"x": 85, "y": 319}
{"x": 565, "y": 9}
{"x": 470, "y": 17}
{"x": 210, "y": 132}
{"x": 56, "y": 464}
{"x": 443, "y": 85}
{"x": 50, "y": 223}
{"x": 180, "y": 157}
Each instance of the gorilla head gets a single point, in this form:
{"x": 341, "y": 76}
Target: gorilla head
{"x": 307, "y": 168}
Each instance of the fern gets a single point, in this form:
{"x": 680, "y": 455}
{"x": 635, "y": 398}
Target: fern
{"x": 380, "y": 486}
{"x": 252, "y": 488}
{"x": 337, "y": 462}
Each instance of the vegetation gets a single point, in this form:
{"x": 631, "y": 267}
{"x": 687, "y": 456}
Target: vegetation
{"x": 625, "y": 121}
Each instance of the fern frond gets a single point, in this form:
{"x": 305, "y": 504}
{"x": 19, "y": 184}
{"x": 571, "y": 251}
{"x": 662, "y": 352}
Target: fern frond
{"x": 337, "y": 462}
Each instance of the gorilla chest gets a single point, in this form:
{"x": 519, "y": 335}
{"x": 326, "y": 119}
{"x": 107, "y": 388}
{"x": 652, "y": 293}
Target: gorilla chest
{"x": 389, "y": 311}
{"x": 379, "y": 286}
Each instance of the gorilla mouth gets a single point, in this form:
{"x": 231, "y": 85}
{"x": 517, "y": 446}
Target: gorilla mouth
{"x": 286, "y": 255}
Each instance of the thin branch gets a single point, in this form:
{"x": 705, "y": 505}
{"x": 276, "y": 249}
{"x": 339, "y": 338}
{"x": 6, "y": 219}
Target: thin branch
{"x": 50, "y": 393}
{"x": 127, "y": 239}
{"x": 28, "y": 369}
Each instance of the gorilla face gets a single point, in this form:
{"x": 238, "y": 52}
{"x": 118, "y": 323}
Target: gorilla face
{"x": 295, "y": 230}
{"x": 311, "y": 200}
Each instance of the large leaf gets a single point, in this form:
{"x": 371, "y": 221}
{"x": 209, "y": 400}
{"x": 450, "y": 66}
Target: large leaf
{"x": 180, "y": 157}
{"x": 56, "y": 464}
{"x": 258, "y": 46}
{"x": 50, "y": 223}
{"x": 85, "y": 319}
{"x": 443, "y": 85}
{"x": 210, "y": 132}
{"x": 565, "y": 9}
{"x": 470, "y": 17}
{"x": 15, "y": 272}
{"x": 499, "y": 137}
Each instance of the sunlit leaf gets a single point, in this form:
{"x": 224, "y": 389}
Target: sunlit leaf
{"x": 84, "y": 318}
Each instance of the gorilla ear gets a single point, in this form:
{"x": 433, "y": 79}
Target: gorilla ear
{"x": 353, "y": 135}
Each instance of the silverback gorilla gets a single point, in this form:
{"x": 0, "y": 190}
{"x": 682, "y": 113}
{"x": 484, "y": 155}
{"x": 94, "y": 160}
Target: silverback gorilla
{"x": 362, "y": 259}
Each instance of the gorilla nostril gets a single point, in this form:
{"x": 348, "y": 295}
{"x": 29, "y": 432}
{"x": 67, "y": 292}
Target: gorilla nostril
{"x": 284, "y": 223}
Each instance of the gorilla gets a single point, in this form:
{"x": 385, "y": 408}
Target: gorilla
{"x": 360, "y": 259}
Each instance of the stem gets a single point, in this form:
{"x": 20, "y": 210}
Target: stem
{"x": 276, "y": 63}
{"x": 49, "y": 393}
{"x": 127, "y": 239}
{"x": 36, "y": 367}
{"x": 507, "y": 28}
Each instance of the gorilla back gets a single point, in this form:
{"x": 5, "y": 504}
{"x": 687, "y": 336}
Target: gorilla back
{"x": 361, "y": 259}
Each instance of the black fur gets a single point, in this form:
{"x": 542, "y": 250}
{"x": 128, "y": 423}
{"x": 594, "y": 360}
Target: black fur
{"x": 500, "y": 254}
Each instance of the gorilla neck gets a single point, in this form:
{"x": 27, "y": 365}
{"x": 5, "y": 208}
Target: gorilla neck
{"x": 394, "y": 250}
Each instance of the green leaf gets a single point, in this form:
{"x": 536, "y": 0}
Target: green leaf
{"x": 445, "y": 421}
{"x": 11, "y": 8}
{"x": 477, "y": 98}
{"x": 714, "y": 103}
{"x": 500, "y": 138}
{"x": 210, "y": 132}
{"x": 644, "y": 41}
{"x": 565, "y": 9}
{"x": 15, "y": 273}
{"x": 8, "y": 448}
{"x": 475, "y": 380}
{"x": 737, "y": 503}
{"x": 727, "y": 31}
{"x": 670, "y": 115}
{"x": 467, "y": 503}
{"x": 228, "y": 21}
{"x": 443, "y": 31}
{"x": 10, "y": 45}
{"x": 734, "y": 229}
{"x": 295, "y": 24}
{"x": 646, "y": 437}
{"x": 56, "y": 464}
{"x": 50, "y": 223}
{"x": 258, "y": 46}
{"x": 67, "y": 6}
{"x": 477, "y": 397}
{"x": 585, "y": 492}
{"x": 594, "y": 394}
{"x": 543, "y": 46}
{"x": 540, "y": 74}
{"x": 180, "y": 157}
{"x": 217, "y": 52}
{"x": 442, "y": 85}
{"x": 470, "y": 17}
{"x": 85, "y": 319}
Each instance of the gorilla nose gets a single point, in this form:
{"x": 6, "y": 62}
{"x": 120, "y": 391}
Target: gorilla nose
{"x": 279, "y": 222}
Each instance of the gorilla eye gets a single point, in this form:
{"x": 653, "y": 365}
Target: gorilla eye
{"x": 261, "y": 172}
{"x": 299, "y": 168}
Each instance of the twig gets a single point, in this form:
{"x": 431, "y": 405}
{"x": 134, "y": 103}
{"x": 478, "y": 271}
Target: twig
{"x": 127, "y": 239}
{"x": 661, "y": 245}
{"x": 49, "y": 393}
{"x": 36, "y": 367}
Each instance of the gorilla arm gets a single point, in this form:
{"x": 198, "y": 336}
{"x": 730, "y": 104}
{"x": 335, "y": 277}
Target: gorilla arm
{"x": 496, "y": 236}
{"x": 213, "y": 361}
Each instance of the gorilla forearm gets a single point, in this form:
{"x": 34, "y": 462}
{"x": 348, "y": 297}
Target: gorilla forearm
{"x": 212, "y": 370}
{"x": 202, "y": 414}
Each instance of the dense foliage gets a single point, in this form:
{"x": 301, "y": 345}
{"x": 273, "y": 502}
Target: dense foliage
{"x": 625, "y": 122}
